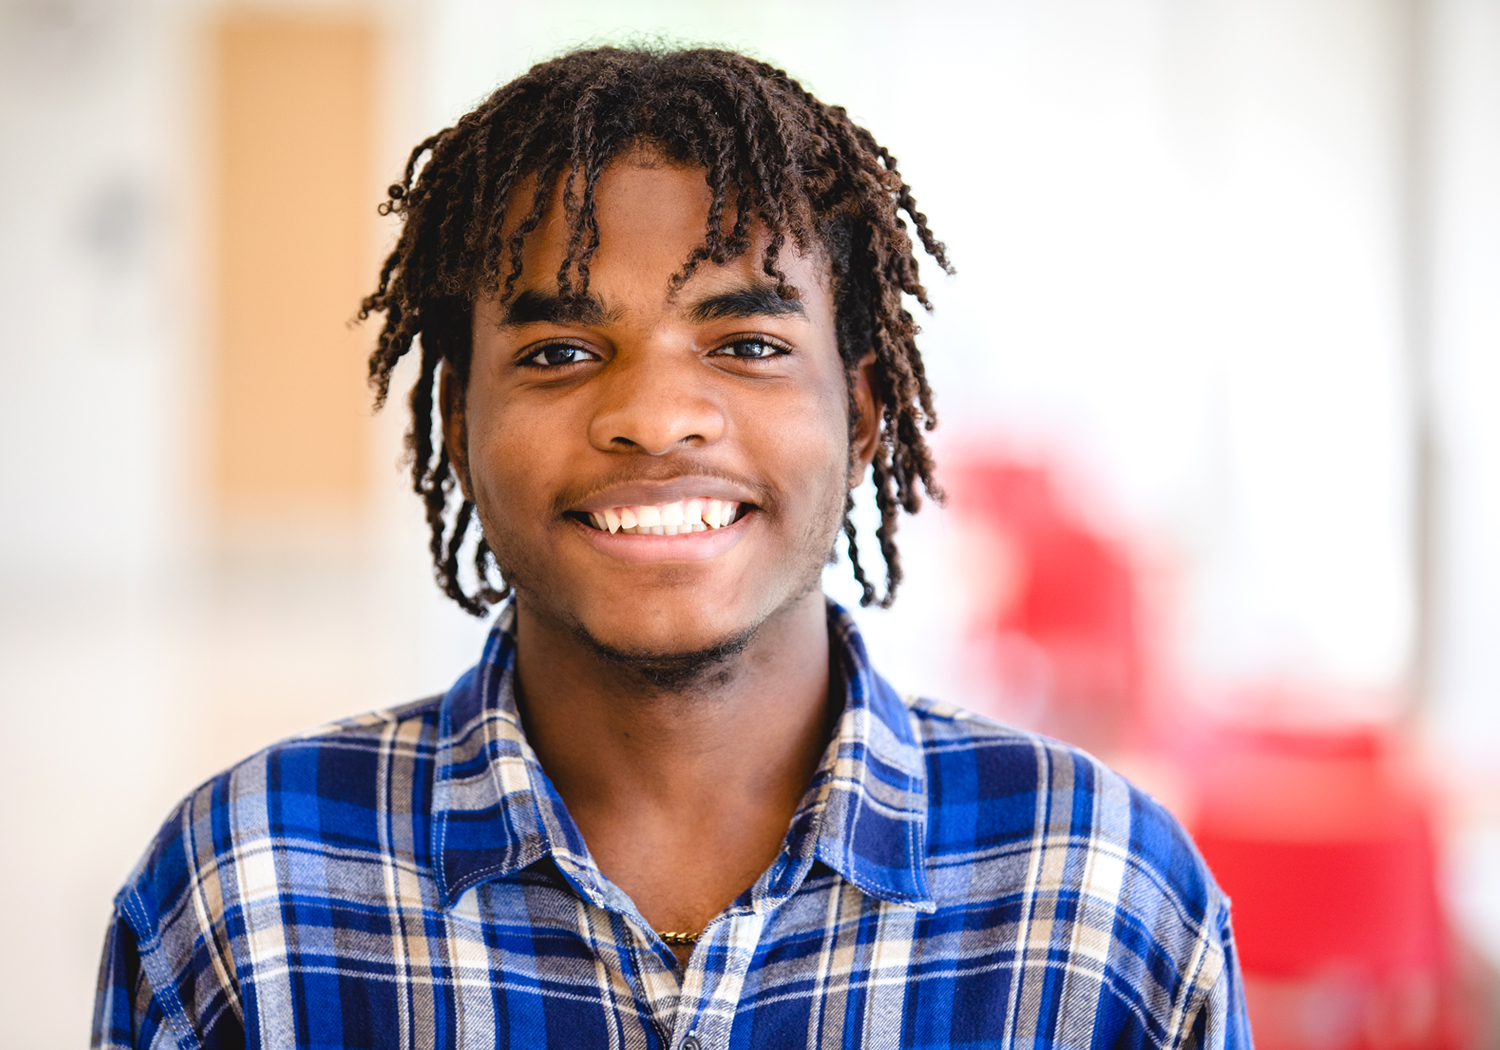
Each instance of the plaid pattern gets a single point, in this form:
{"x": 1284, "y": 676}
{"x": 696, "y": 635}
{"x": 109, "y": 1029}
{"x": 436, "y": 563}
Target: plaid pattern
{"x": 411, "y": 879}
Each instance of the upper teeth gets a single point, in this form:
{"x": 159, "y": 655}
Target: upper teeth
{"x": 667, "y": 519}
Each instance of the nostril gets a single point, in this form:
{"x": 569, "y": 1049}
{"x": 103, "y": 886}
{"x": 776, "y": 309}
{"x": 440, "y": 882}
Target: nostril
{"x": 622, "y": 443}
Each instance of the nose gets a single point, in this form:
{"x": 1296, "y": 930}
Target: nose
{"x": 655, "y": 401}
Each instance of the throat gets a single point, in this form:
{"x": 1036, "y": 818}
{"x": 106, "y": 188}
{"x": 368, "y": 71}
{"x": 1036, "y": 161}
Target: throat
{"x": 683, "y": 771}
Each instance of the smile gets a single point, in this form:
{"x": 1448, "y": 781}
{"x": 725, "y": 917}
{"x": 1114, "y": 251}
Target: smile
{"x": 665, "y": 519}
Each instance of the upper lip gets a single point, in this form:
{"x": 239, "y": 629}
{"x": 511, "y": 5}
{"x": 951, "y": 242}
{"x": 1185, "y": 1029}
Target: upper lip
{"x": 642, "y": 493}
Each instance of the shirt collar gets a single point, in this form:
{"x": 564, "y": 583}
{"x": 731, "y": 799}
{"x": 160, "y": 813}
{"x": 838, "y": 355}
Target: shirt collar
{"x": 495, "y": 811}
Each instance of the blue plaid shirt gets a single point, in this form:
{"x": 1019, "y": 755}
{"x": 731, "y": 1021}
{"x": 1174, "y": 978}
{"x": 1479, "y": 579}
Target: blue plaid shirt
{"x": 411, "y": 879}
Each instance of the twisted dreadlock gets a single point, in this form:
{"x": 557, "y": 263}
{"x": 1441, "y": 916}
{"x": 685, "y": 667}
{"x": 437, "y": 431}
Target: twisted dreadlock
{"x": 780, "y": 157}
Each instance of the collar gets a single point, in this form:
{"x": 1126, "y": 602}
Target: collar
{"x": 496, "y": 812}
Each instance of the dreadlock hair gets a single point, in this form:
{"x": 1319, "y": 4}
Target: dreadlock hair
{"x": 769, "y": 149}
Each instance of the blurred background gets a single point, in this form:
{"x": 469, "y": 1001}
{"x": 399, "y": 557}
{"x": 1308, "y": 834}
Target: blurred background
{"x": 1218, "y": 381}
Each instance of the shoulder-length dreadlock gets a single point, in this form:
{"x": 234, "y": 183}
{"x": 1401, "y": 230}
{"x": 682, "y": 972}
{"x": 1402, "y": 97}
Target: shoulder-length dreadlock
{"x": 783, "y": 159}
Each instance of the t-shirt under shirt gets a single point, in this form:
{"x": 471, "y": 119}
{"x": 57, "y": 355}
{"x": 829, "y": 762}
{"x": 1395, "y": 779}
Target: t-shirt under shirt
{"x": 411, "y": 879}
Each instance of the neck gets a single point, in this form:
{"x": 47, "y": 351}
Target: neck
{"x": 743, "y": 725}
{"x": 682, "y": 787}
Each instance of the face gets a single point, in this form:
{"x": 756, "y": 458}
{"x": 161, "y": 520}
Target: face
{"x": 588, "y": 436}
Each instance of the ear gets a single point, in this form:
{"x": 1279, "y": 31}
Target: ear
{"x": 864, "y": 432}
{"x": 451, "y": 399}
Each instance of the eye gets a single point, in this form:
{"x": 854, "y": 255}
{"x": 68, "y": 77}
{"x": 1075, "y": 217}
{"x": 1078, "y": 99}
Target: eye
{"x": 557, "y": 355}
{"x": 752, "y": 350}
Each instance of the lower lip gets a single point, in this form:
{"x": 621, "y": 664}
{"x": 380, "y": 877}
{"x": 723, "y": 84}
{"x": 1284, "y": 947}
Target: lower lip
{"x": 691, "y": 546}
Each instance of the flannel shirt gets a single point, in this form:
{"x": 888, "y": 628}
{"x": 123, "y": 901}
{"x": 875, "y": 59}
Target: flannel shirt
{"x": 411, "y": 878}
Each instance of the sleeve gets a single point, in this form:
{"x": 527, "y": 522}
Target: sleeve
{"x": 127, "y": 1013}
{"x": 163, "y": 981}
{"x": 1221, "y": 1021}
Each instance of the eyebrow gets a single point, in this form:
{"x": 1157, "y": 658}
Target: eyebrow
{"x": 537, "y": 307}
{"x": 534, "y": 307}
{"x": 751, "y": 301}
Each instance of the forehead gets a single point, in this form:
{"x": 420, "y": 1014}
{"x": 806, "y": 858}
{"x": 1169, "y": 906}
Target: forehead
{"x": 651, "y": 215}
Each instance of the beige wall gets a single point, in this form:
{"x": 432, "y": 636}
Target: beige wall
{"x": 293, "y": 204}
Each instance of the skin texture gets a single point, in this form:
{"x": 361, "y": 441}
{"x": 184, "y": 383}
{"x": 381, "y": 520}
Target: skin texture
{"x": 675, "y": 689}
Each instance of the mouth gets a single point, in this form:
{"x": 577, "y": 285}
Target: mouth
{"x": 699, "y": 514}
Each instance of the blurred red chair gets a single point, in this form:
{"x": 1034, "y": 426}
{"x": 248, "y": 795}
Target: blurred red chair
{"x": 1325, "y": 845}
{"x": 1053, "y": 605}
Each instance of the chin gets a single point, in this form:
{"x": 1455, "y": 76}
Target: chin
{"x": 675, "y": 662}
{"x": 679, "y": 630}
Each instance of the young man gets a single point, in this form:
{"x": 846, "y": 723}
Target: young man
{"x": 659, "y": 303}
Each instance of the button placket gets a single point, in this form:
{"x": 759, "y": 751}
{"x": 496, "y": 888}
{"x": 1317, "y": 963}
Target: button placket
{"x": 705, "y": 1014}
{"x": 655, "y": 985}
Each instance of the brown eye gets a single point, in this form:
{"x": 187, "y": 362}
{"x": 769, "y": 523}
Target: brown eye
{"x": 556, "y": 355}
{"x": 753, "y": 350}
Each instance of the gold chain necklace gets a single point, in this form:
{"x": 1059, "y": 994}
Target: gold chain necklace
{"x": 678, "y": 939}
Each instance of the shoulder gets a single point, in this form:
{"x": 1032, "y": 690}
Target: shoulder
{"x": 1050, "y": 822}
{"x": 1029, "y": 785}
{"x": 300, "y": 820}
{"x": 317, "y": 790}
{"x": 1056, "y": 848}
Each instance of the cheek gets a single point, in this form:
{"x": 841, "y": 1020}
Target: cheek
{"x": 810, "y": 436}
{"x": 508, "y": 453}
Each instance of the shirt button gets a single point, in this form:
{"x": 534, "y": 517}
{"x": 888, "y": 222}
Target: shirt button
{"x": 690, "y": 1043}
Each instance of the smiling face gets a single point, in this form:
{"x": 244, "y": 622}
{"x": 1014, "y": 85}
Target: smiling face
{"x": 588, "y": 434}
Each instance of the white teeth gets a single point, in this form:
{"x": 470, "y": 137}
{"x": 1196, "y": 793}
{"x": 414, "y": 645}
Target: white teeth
{"x": 666, "y": 519}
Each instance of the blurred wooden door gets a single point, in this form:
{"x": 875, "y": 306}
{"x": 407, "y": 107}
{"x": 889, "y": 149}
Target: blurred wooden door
{"x": 293, "y": 207}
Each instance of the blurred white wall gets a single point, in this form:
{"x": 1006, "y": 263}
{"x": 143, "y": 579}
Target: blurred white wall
{"x": 1178, "y": 232}
{"x": 1465, "y": 706}
{"x": 94, "y": 374}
